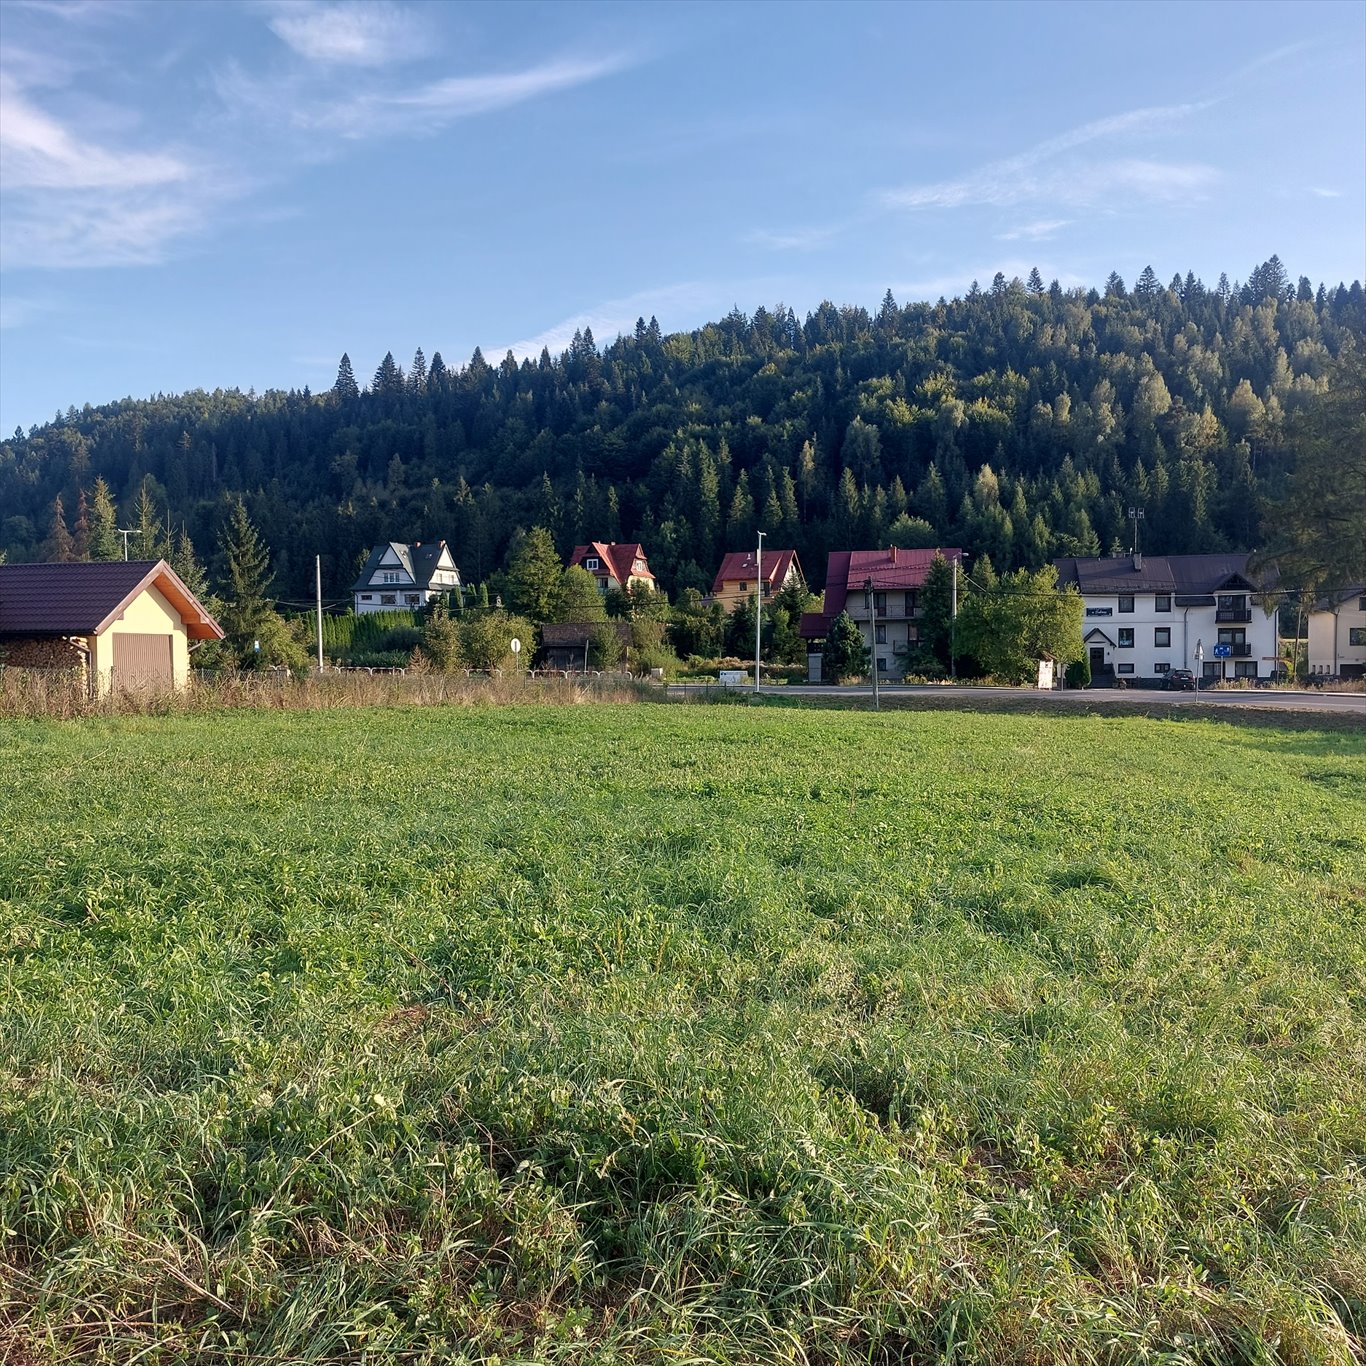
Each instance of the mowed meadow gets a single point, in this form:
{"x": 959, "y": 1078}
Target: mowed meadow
{"x": 681, "y": 1034}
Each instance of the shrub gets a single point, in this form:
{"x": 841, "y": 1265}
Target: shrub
{"x": 1078, "y": 674}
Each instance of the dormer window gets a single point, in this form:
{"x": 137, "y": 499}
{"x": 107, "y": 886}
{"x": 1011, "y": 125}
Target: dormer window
{"x": 592, "y": 562}
{"x": 638, "y": 567}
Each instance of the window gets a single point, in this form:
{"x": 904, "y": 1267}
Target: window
{"x": 1361, "y": 606}
{"x": 1126, "y": 603}
{"x": 592, "y": 562}
{"x": 1162, "y": 667}
{"x": 881, "y": 664}
{"x": 744, "y": 587}
{"x": 638, "y": 567}
{"x": 1124, "y": 668}
{"x": 1232, "y": 635}
{"x": 913, "y": 635}
{"x": 910, "y": 604}
{"x": 1214, "y": 668}
{"x": 1356, "y": 635}
{"x": 1126, "y": 637}
{"x": 388, "y": 599}
{"x": 1245, "y": 668}
{"x": 367, "y": 597}
{"x": 880, "y": 603}
{"x": 1162, "y": 602}
{"x": 1162, "y": 637}
{"x": 881, "y": 635}
{"x": 410, "y": 599}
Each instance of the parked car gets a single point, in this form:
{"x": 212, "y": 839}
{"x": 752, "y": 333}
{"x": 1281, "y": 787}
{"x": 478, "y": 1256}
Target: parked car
{"x": 1180, "y": 680}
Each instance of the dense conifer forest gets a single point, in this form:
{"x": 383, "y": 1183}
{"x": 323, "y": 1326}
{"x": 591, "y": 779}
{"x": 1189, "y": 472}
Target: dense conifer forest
{"x": 1021, "y": 421}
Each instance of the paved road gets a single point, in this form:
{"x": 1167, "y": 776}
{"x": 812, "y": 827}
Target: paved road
{"x": 1273, "y": 699}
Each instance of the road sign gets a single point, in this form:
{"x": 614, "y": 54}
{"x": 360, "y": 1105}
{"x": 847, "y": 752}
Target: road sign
{"x": 515, "y": 645}
{"x": 1223, "y": 651}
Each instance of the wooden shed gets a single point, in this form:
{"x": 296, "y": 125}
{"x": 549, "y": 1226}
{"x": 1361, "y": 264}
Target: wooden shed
{"x": 124, "y": 625}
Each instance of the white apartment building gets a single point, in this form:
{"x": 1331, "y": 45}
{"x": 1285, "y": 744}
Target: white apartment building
{"x": 1147, "y": 614}
{"x": 1337, "y": 634}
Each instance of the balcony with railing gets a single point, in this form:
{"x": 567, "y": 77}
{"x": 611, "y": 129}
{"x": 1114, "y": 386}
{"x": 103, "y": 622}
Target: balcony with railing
{"x": 1240, "y": 650}
{"x": 1233, "y": 614}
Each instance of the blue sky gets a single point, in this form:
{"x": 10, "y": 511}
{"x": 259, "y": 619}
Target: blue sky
{"x": 195, "y": 194}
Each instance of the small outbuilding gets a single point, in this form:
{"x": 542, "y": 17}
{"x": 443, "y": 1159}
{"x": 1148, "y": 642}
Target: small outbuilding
{"x": 123, "y": 625}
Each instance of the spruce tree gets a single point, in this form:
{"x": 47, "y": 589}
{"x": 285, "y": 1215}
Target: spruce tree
{"x": 244, "y": 581}
{"x": 148, "y": 536}
{"x": 346, "y": 386}
{"x": 80, "y": 533}
{"x": 104, "y": 521}
{"x": 58, "y": 548}
{"x": 534, "y": 575}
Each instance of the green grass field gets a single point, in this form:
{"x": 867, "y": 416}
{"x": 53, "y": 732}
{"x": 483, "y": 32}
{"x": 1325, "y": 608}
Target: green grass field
{"x": 681, "y": 1034}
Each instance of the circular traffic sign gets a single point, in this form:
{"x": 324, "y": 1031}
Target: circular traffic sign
{"x": 516, "y": 646}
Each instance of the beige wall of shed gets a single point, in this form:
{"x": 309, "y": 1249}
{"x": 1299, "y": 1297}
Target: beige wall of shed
{"x": 148, "y": 614}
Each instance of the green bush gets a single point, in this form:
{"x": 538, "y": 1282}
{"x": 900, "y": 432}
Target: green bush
{"x": 1078, "y": 674}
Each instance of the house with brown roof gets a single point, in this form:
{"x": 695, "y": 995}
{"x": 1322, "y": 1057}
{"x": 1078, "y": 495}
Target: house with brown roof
{"x": 567, "y": 646}
{"x": 123, "y": 625}
{"x": 740, "y": 571}
{"x": 615, "y": 564}
{"x": 893, "y": 580}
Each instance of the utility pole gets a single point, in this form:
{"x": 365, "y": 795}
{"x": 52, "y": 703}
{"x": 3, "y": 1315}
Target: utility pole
{"x": 132, "y": 531}
{"x": 758, "y": 609}
{"x": 872, "y": 624}
{"x": 1135, "y": 549}
{"x": 953, "y": 625}
{"x": 318, "y": 583}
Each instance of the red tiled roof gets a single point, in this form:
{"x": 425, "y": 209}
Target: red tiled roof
{"x": 617, "y": 556}
{"x": 847, "y": 571}
{"x": 83, "y": 599}
{"x": 739, "y": 567}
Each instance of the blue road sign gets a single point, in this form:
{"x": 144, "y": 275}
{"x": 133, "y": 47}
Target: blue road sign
{"x": 1223, "y": 651}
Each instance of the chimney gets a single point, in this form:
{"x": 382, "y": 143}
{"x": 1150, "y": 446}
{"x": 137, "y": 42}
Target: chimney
{"x": 1138, "y": 560}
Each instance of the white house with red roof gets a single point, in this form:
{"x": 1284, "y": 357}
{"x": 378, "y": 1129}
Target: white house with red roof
{"x": 894, "y": 579}
{"x": 740, "y": 571}
{"x": 615, "y": 564}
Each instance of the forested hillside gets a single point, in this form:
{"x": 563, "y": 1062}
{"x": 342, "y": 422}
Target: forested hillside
{"x": 1021, "y": 421}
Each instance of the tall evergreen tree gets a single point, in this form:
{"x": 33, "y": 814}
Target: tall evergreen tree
{"x": 346, "y": 386}
{"x": 58, "y": 548}
{"x": 534, "y": 576}
{"x": 244, "y": 581}
{"x": 105, "y": 542}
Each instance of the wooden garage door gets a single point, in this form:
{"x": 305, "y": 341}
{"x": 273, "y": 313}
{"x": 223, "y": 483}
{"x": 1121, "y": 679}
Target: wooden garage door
{"x": 142, "y": 663}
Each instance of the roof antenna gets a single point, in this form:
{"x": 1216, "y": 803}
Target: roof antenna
{"x": 1136, "y": 517}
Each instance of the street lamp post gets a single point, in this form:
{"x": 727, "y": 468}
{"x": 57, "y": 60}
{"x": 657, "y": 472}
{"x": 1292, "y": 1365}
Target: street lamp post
{"x": 1199, "y": 663}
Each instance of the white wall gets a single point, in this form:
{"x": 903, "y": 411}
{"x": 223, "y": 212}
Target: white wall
{"x": 1186, "y": 626}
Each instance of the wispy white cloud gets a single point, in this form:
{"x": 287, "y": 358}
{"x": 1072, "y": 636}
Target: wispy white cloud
{"x": 1050, "y": 173}
{"x": 353, "y": 34}
{"x": 795, "y": 239}
{"x": 1039, "y": 231}
{"x": 38, "y": 152}
{"x": 1325, "y": 193}
{"x": 615, "y": 316}
{"x": 78, "y": 200}
{"x": 957, "y": 282}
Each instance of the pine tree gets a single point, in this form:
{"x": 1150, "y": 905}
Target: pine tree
{"x": 844, "y": 655}
{"x": 186, "y": 564}
{"x": 346, "y": 387}
{"x": 245, "y": 582}
{"x": 104, "y": 520}
{"x": 417, "y": 376}
{"x": 534, "y": 576}
{"x": 80, "y": 537}
{"x": 58, "y": 548}
{"x": 388, "y": 382}
{"x": 148, "y": 537}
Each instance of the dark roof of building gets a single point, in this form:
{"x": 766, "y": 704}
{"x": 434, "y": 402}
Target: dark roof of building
{"x": 84, "y": 599}
{"x": 561, "y": 635}
{"x": 1188, "y": 575}
{"x": 1331, "y": 601}
{"x": 847, "y": 571}
{"x": 618, "y": 556}
{"x": 740, "y": 566}
{"x": 418, "y": 561}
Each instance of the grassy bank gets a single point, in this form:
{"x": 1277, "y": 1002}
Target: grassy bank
{"x": 635, "y": 1034}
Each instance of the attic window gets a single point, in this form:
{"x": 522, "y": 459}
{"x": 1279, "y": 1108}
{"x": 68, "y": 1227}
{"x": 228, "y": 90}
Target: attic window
{"x": 744, "y": 587}
{"x": 592, "y": 562}
{"x": 638, "y": 567}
